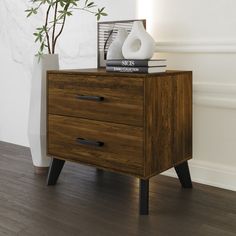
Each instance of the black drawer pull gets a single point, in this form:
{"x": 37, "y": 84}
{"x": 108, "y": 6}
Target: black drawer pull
{"x": 89, "y": 142}
{"x": 91, "y": 98}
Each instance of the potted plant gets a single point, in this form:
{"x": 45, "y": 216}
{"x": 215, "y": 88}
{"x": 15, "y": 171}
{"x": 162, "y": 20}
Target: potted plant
{"x": 47, "y": 35}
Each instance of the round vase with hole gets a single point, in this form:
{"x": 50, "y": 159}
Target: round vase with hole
{"x": 139, "y": 44}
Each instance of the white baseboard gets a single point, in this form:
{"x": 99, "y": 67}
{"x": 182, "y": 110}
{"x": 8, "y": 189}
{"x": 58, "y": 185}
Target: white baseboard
{"x": 210, "y": 174}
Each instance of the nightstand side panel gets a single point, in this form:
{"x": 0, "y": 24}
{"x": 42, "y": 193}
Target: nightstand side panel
{"x": 168, "y": 121}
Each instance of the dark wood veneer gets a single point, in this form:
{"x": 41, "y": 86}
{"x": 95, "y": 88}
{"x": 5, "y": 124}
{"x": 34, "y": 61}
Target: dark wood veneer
{"x": 122, "y": 103}
{"x": 122, "y": 149}
{"x": 168, "y": 121}
{"x": 137, "y": 124}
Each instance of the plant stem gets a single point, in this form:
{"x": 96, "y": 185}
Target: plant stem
{"x": 83, "y": 9}
{"x": 46, "y": 31}
{"x": 54, "y": 28}
{"x": 63, "y": 25}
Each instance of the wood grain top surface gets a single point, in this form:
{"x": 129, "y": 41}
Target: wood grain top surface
{"x": 102, "y": 72}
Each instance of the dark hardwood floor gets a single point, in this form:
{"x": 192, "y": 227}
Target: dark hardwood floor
{"x": 87, "y": 202}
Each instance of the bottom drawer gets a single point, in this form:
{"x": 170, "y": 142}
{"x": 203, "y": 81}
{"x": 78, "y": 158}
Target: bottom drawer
{"x": 113, "y": 146}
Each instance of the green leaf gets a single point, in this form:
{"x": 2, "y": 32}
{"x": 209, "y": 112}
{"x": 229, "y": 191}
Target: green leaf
{"x": 42, "y": 47}
{"x": 39, "y": 37}
{"x": 69, "y": 13}
{"x": 90, "y": 4}
{"x": 39, "y": 55}
{"x": 98, "y": 16}
{"x": 35, "y": 11}
{"x": 30, "y": 12}
{"x": 73, "y": 2}
{"x": 44, "y": 28}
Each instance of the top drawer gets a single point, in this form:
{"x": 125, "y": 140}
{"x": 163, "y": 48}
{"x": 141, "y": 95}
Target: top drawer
{"x": 114, "y": 99}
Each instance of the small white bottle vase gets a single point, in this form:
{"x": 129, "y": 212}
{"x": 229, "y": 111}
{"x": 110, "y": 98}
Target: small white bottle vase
{"x": 139, "y": 44}
{"x": 37, "y": 112}
{"x": 115, "y": 49}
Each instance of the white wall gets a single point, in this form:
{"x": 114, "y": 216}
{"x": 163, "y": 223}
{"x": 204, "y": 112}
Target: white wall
{"x": 201, "y": 36}
{"x": 77, "y": 49}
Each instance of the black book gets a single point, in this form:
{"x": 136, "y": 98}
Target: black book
{"x": 136, "y": 63}
{"x": 122, "y": 69}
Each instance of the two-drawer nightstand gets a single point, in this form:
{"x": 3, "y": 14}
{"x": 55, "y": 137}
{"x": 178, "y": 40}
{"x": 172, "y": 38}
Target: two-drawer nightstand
{"x": 136, "y": 124}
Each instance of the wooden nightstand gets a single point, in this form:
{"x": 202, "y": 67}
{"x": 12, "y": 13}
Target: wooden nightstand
{"x": 136, "y": 124}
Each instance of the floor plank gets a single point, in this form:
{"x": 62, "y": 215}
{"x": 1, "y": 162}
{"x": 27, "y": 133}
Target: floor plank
{"x": 85, "y": 202}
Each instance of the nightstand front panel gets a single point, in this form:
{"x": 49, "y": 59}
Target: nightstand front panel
{"x": 109, "y": 145}
{"x": 102, "y": 98}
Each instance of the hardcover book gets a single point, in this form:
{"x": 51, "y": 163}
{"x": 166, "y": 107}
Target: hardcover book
{"x": 136, "y": 63}
{"x": 158, "y": 69}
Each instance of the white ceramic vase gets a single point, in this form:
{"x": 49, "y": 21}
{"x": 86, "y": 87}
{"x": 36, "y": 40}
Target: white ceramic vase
{"x": 139, "y": 44}
{"x": 115, "y": 49}
{"x": 37, "y": 112}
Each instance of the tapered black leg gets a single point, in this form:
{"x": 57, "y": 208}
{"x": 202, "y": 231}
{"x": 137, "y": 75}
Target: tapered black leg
{"x": 99, "y": 171}
{"x": 143, "y": 196}
{"x": 183, "y": 173}
{"x": 54, "y": 171}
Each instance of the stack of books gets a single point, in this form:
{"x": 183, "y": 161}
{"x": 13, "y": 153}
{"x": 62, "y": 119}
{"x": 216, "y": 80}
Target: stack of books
{"x": 136, "y": 66}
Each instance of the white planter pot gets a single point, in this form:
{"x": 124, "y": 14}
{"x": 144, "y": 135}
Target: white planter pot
{"x": 139, "y": 44}
{"x": 37, "y": 112}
